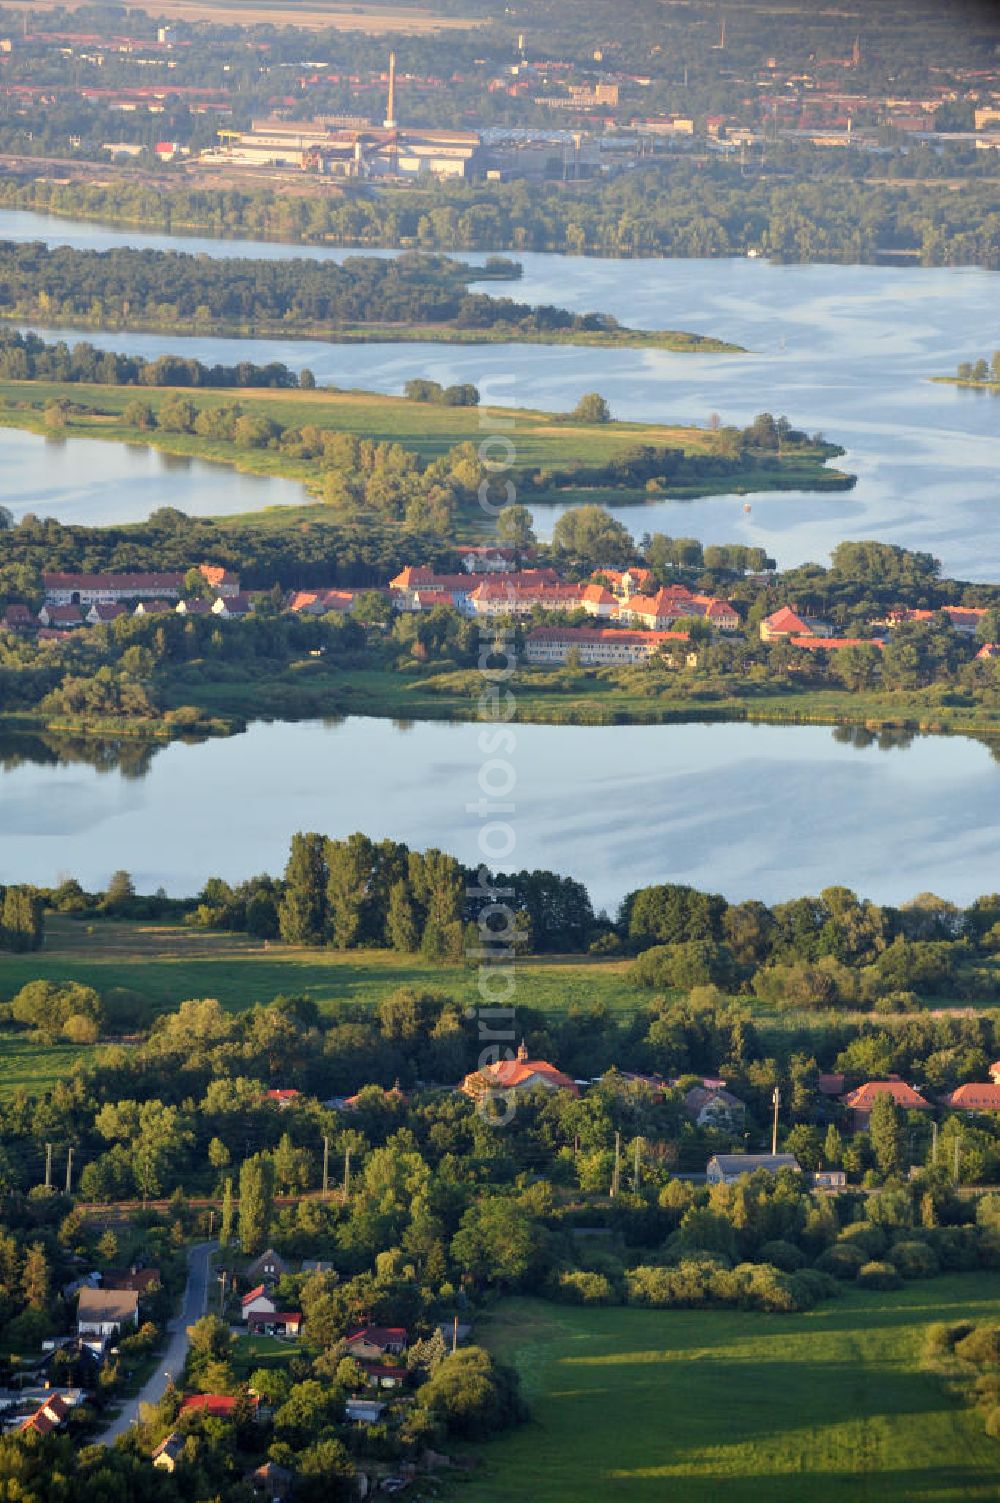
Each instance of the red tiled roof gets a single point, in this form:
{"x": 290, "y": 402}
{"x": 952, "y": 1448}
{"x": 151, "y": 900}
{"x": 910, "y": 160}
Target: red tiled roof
{"x": 588, "y": 634}
{"x": 786, "y": 620}
{"x": 833, "y": 644}
{"x": 989, "y": 650}
{"x": 58, "y": 581}
{"x": 220, "y": 1405}
{"x": 508, "y": 1073}
{"x": 379, "y": 1335}
{"x": 979, "y": 1096}
{"x": 864, "y": 1098}
{"x": 254, "y": 1294}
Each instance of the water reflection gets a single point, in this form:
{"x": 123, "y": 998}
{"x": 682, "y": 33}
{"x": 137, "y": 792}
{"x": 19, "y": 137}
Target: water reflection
{"x": 749, "y": 810}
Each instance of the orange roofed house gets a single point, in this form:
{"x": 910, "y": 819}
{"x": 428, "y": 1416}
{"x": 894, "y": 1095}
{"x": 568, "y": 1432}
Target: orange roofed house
{"x": 786, "y": 623}
{"x": 859, "y": 1103}
{"x": 518, "y": 1074}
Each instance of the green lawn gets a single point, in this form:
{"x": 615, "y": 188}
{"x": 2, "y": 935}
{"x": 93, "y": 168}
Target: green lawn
{"x": 829, "y": 1407}
{"x": 25, "y": 1066}
{"x": 169, "y": 964}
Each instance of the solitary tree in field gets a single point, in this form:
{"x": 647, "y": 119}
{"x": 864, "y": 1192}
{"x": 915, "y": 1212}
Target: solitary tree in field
{"x": 592, "y": 408}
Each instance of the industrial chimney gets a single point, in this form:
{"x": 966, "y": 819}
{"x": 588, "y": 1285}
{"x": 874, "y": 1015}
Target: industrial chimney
{"x": 390, "y": 118}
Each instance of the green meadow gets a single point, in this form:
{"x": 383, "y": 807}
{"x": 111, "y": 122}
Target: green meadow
{"x": 833, "y": 1406}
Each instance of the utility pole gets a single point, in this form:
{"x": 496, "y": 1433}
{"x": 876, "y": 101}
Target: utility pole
{"x": 637, "y": 1165}
{"x": 958, "y": 1145}
{"x": 454, "y": 1337}
{"x": 69, "y": 1172}
{"x": 347, "y": 1173}
{"x": 222, "y": 1290}
{"x": 934, "y": 1133}
{"x": 616, "y": 1175}
{"x": 326, "y": 1166}
{"x": 211, "y": 1224}
{"x": 48, "y": 1166}
{"x": 776, "y": 1099}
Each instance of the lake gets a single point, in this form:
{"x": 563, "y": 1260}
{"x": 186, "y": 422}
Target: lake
{"x": 763, "y": 811}
{"x": 845, "y": 350}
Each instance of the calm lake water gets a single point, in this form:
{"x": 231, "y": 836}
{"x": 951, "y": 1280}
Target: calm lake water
{"x": 842, "y": 349}
{"x": 763, "y": 811}
{"x": 749, "y": 811}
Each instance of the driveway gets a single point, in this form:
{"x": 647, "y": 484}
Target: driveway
{"x": 171, "y": 1360}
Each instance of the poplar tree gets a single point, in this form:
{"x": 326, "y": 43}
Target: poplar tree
{"x": 256, "y": 1201}
{"x": 302, "y": 916}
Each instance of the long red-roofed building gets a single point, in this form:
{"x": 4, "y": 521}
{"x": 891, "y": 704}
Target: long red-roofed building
{"x": 518, "y": 1074}
{"x": 860, "y": 1102}
{"x": 978, "y": 1096}
{"x": 597, "y": 645}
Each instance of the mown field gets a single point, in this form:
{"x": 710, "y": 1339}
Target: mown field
{"x": 310, "y": 15}
{"x": 697, "y": 1406}
{"x": 168, "y": 964}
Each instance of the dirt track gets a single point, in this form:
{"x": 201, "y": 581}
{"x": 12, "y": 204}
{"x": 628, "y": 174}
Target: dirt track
{"x": 312, "y": 15}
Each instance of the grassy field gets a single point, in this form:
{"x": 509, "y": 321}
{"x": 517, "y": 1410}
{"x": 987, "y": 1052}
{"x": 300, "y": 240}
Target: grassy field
{"x": 430, "y": 430}
{"x": 705, "y": 1405}
{"x": 168, "y": 964}
{"x": 25, "y": 1066}
{"x": 541, "y": 440}
{"x": 310, "y": 15}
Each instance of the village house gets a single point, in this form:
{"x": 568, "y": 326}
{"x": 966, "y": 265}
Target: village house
{"x": 61, "y": 617}
{"x": 169, "y": 1452}
{"x": 49, "y": 1416}
{"x": 625, "y": 582}
{"x": 382, "y": 1375}
{"x": 658, "y": 612}
{"x": 233, "y": 607}
{"x": 601, "y": 645}
{"x": 142, "y": 1280}
{"x": 364, "y": 1411}
{"x": 18, "y": 618}
{"x": 215, "y": 1405}
{"x": 518, "y": 1074}
{"x": 989, "y": 650}
{"x": 785, "y": 623}
{"x": 287, "y": 1324}
{"x": 257, "y": 1302}
{"x": 154, "y": 608}
{"x": 859, "y": 1103}
{"x": 103, "y": 615}
{"x": 194, "y": 607}
{"x": 323, "y": 602}
{"x": 978, "y": 1096}
{"x": 725, "y": 1168}
{"x": 267, "y": 1269}
{"x": 714, "y": 1106}
{"x": 373, "y": 1342}
{"x": 965, "y": 619}
{"x": 109, "y": 589}
{"x": 488, "y": 559}
{"x": 220, "y": 581}
{"x": 103, "y": 1312}
{"x": 273, "y": 1482}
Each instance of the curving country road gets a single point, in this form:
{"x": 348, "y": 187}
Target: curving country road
{"x": 170, "y": 1361}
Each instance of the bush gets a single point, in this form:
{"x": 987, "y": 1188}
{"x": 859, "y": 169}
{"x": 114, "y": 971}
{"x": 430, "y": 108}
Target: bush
{"x": 993, "y": 1423}
{"x": 915, "y": 1260}
{"x": 784, "y": 1255}
{"x": 981, "y": 1346}
{"x": 867, "y": 1238}
{"x": 942, "y": 1335}
{"x": 879, "y": 1275}
{"x": 579, "y": 1287}
{"x": 841, "y": 1261}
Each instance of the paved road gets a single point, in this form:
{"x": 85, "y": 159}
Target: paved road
{"x": 171, "y": 1360}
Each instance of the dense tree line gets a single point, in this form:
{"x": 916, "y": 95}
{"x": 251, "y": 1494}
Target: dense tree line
{"x": 676, "y": 208}
{"x": 127, "y": 287}
{"x": 27, "y": 357}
